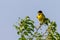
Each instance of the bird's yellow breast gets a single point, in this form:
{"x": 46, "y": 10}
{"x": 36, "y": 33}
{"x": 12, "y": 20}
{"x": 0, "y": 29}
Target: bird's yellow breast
{"x": 40, "y": 17}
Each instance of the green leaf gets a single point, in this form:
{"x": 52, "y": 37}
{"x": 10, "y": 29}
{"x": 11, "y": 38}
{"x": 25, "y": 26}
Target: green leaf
{"x": 53, "y": 23}
{"x": 22, "y": 28}
{"x": 20, "y": 39}
{"x": 17, "y": 27}
{"x": 30, "y": 32}
{"x": 47, "y": 21}
{"x": 32, "y": 26}
{"x": 32, "y": 29}
{"x": 23, "y": 37}
{"x": 26, "y": 26}
{"x": 28, "y": 29}
{"x": 26, "y": 33}
{"x": 18, "y": 32}
{"x": 27, "y": 17}
{"x": 38, "y": 38}
{"x": 30, "y": 38}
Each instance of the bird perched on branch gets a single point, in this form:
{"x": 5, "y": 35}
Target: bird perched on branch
{"x": 42, "y": 19}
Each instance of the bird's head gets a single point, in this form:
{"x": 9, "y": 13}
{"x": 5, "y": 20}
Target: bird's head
{"x": 40, "y": 12}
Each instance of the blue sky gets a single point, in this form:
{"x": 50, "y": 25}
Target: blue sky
{"x": 10, "y": 10}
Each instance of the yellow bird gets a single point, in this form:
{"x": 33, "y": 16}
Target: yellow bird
{"x": 41, "y": 17}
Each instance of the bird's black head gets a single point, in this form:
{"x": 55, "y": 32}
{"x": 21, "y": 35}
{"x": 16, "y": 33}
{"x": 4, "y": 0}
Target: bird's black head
{"x": 40, "y": 11}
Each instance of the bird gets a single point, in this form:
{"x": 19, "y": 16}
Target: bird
{"x": 41, "y": 17}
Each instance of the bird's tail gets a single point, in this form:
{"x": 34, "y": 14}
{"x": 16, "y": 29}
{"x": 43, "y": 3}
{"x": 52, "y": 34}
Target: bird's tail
{"x": 47, "y": 21}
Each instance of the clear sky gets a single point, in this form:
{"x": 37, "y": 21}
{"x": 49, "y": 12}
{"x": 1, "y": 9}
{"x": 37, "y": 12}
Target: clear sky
{"x": 10, "y": 10}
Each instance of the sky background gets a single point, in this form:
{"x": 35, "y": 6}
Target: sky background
{"x": 10, "y": 10}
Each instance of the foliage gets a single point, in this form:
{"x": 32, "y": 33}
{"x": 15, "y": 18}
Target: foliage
{"x": 26, "y": 30}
